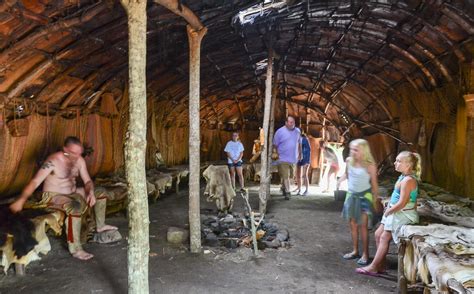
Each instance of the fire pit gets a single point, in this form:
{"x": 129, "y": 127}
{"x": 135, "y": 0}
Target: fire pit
{"x": 233, "y": 230}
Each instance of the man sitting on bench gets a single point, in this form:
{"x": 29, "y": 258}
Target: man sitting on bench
{"x": 59, "y": 173}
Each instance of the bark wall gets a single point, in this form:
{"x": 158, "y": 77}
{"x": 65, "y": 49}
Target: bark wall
{"x": 448, "y": 159}
{"x": 437, "y": 124}
{"x": 20, "y": 157}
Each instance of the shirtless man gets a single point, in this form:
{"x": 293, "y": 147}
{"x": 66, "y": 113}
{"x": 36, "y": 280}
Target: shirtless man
{"x": 59, "y": 173}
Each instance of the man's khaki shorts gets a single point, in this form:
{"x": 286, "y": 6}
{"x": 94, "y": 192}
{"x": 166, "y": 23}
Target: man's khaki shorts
{"x": 285, "y": 170}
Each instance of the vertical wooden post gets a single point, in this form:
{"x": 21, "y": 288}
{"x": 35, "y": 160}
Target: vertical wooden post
{"x": 264, "y": 180}
{"x": 402, "y": 281}
{"x": 271, "y": 127}
{"x": 321, "y": 155}
{"x": 135, "y": 145}
{"x": 195, "y": 38}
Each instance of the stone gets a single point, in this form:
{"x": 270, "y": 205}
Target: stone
{"x": 231, "y": 243}
{"x": 282, "y": 235}
{"x": 106, "y": 237}
{"x": 272, "y": 244}
{"x": 211, "y": 240}
{"x": 209, "y": 221}
{"x": 177, "y": 235}
{"x": 228, "y": 219}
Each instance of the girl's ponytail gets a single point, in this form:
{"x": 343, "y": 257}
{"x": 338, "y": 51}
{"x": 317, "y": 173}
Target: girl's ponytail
{"x": 416, "y": 164}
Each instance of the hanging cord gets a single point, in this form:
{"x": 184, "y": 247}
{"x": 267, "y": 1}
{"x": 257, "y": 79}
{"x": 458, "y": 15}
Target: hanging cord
{"x": 78, "y": 125}
{"x": 12, "y": 155}
{"x": 4, "y": 115}
{"x": 14, "y": 116}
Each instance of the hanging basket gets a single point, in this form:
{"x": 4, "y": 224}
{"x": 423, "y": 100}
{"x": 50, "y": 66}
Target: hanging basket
{"x": 18, "y": 127}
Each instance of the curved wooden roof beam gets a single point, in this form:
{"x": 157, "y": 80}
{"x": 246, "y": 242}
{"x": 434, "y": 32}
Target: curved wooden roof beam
{"x": 449, "y": 10}
{"x": 360, "y": 71}
{"x": 254, "y": 68}
{"x": 422, "y": 48}
{"x": 407, "y": 56}
{"x": 310, "y": 106}
{"x": 62, "y": 24}
{"x": 327, "y": 99}
{"x": 418, "y": 63}
{"x": 38, "y": 69}
{"x": 338, "y": 106}
{"x": 434, "y": 29}
{"x": 321, "y": 111}
{"x": 73, "y": 66}
{"x": 455, "y": 15}
{"x": 332, "y": 53}
{"x": 177, "y": 8}
{"x": 389, "y": 63}
{"x": 417, "y": 43}
{"x": 118, "y": 66}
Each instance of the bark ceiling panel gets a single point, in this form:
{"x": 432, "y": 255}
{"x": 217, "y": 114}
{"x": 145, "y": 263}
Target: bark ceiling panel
{"x": 338, "y": 58}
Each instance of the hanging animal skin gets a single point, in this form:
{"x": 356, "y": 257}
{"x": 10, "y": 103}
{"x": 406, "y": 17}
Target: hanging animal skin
{"x": 422, "y": 135}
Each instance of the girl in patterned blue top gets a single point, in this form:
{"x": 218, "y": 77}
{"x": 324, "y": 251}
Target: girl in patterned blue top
{"x": 400, "y": 211}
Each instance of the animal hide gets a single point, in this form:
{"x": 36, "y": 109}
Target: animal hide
{"x": 39, "y": 225}
{"x": 437, "y": 253}
{"x": 457, "y": 213}
{"x": 21, "y": 230}
{"x": 219, "y": 187}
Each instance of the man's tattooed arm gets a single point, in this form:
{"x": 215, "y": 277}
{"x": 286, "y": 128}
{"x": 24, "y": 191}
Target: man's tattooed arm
{"x": 47, "y": 164}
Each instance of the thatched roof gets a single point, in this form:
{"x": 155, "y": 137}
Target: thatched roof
{"x": 340, "y": 59}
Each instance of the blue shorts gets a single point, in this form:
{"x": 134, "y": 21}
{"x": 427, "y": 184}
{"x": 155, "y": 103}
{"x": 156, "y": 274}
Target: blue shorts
{"x": 238, "y": 164}
{"x": 303, "y": 162}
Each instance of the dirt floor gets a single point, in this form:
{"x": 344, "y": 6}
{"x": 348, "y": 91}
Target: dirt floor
{"x": 313, "y": 263}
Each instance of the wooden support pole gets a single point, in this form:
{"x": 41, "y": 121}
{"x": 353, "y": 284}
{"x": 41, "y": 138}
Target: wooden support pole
{"x": 402, "y": 280}
{"x": 135, "y": 145}
{"x": 271, "y": 127}
{"x": 264, "y": 179}
{"x": 195, "y": 38}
